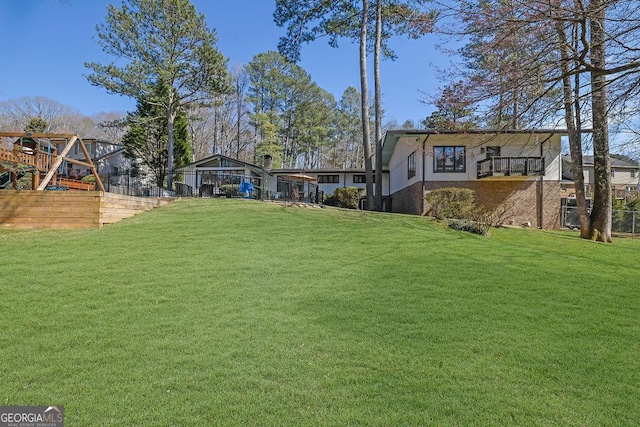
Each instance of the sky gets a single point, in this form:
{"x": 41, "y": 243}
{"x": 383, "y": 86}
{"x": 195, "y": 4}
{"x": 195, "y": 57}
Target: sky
{"x": 45, "y": 44}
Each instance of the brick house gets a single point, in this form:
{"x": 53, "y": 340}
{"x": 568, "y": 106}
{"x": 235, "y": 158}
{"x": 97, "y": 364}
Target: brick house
{"x": 516, "y": 174}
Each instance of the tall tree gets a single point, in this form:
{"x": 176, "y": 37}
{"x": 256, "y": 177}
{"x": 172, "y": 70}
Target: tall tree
{"x": 36, "y": 125}
{"x": 348, "y": 135}
{"x": 146, "y": 141}
{"x": 268, "y": 74}
{"x": 162, "y": 42}
{"x": 377, "y": 51}
{"x": 573, "y": 118}
{"x": 596, "y": 38}
{"x": 292, "y": 113}
{"x": 224, "y": 127}
{"x": 454, "y": 110}
{"x": 393, "y": 17}
{"x": 505, "y": 61}
{"x": 364, "y": 102}
{"x": 601, "y": 212}
{"x": 309, "y": 20}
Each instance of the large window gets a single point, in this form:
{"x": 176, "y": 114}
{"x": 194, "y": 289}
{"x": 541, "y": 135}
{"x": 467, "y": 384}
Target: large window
{"x": 411, "y": 165}
{"x": 221, "y": 177}
{"x": 449, "y": 159}
{"x": 328, "y": 179}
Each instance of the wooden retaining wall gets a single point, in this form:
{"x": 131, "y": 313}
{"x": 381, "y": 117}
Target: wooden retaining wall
{"x": 69, "y": 209}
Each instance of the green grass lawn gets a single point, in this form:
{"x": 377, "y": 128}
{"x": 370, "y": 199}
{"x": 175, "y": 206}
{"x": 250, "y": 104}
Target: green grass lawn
{"x": 233, "y": 312}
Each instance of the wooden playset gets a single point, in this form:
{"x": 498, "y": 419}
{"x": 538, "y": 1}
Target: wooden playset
{"x": 45, "y": 157}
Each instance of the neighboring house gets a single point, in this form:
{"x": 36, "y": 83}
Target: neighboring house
{"x": 210, "y": 176}
{"x": 108, "y": 157}
{"x": 517, "y": 175}
{"x": 328, "y": 180}
{"x": 625, "y": 176}
{"x": 213, "y": 175}
{"x": 113, "y": 163}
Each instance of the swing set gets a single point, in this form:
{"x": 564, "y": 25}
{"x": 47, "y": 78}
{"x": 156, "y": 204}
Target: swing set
{"x": 40, "y": 155}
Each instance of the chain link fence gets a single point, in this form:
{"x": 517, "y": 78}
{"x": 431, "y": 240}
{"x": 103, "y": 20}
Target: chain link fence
{"x": 622, "y": 221}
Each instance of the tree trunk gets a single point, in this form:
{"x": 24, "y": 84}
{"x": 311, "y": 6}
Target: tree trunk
{"x": 572, "y": 120}
{"x": 378, "y": 106}
{"x": 364, "y": 100}
{"x": 171, "y": 115}
{"x": 601, "y": 212}
{"x": 238, "y": 116}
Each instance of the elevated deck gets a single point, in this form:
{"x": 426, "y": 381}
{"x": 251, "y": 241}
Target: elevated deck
{"x": 22, "y": 159}
{"x": 511, "y": 167}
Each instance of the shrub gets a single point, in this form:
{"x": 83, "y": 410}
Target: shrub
{"x": 331, "y": 200}
{"x": 470, "y": 226}
{"x": 348, "y": 197}
{"x": 230, "y": 190}
{"x": 455, "y": 203}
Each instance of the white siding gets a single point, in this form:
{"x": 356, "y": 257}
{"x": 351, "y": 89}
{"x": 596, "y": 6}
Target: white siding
{"x": 511, "y": 145}
{"x": 398, "y": 168}
{"x": 345, "y": 179}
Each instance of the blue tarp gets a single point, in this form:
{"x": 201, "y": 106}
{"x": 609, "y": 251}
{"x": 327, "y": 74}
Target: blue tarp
{"x": 246, "y": 188}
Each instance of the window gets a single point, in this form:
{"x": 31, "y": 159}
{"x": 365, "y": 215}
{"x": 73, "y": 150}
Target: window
{"x": 361, "y": 179}
{"x": 633, "y": 173}
{"x": 613, "y": 173}
{"x": 411, "y": 165}
{"x": 449, "y": 159}
{"x": 328, "y": 179}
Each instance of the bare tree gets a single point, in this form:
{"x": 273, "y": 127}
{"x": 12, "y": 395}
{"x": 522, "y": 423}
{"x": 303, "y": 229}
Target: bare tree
{"x": 546, "y": 79}
{"x": 111, "y": 126}
{"x": 19, "y": 111}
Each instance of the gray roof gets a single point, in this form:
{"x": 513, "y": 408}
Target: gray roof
{"x": 588, "y": 160}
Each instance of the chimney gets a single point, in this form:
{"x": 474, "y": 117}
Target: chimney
{"x": 266, "y": 161}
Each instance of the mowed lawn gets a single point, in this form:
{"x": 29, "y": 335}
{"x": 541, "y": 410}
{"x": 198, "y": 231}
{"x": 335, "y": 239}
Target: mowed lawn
{"x": 233, "y": 312}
